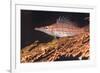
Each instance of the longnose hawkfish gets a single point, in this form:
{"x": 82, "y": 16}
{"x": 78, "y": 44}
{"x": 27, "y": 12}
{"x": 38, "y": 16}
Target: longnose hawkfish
{"x": 63, "y": 27}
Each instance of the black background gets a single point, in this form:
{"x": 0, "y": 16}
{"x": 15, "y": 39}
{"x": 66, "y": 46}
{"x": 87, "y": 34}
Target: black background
{"x": 31, "y": 19}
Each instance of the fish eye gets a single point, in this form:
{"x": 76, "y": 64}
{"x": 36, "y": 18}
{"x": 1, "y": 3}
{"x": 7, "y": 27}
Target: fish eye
{"x": 46, "y": 27}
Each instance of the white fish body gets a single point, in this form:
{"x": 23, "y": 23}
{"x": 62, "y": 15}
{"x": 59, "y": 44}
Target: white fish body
{"x": 55, "y": 33}
{"x": 62, "y": 27}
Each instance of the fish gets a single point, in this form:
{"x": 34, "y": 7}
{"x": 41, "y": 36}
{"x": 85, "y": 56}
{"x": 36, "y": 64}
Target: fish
{"x": 63, "y": 27}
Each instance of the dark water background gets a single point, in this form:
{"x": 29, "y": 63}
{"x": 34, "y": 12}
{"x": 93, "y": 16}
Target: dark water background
{"x": 31, "y": 19}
